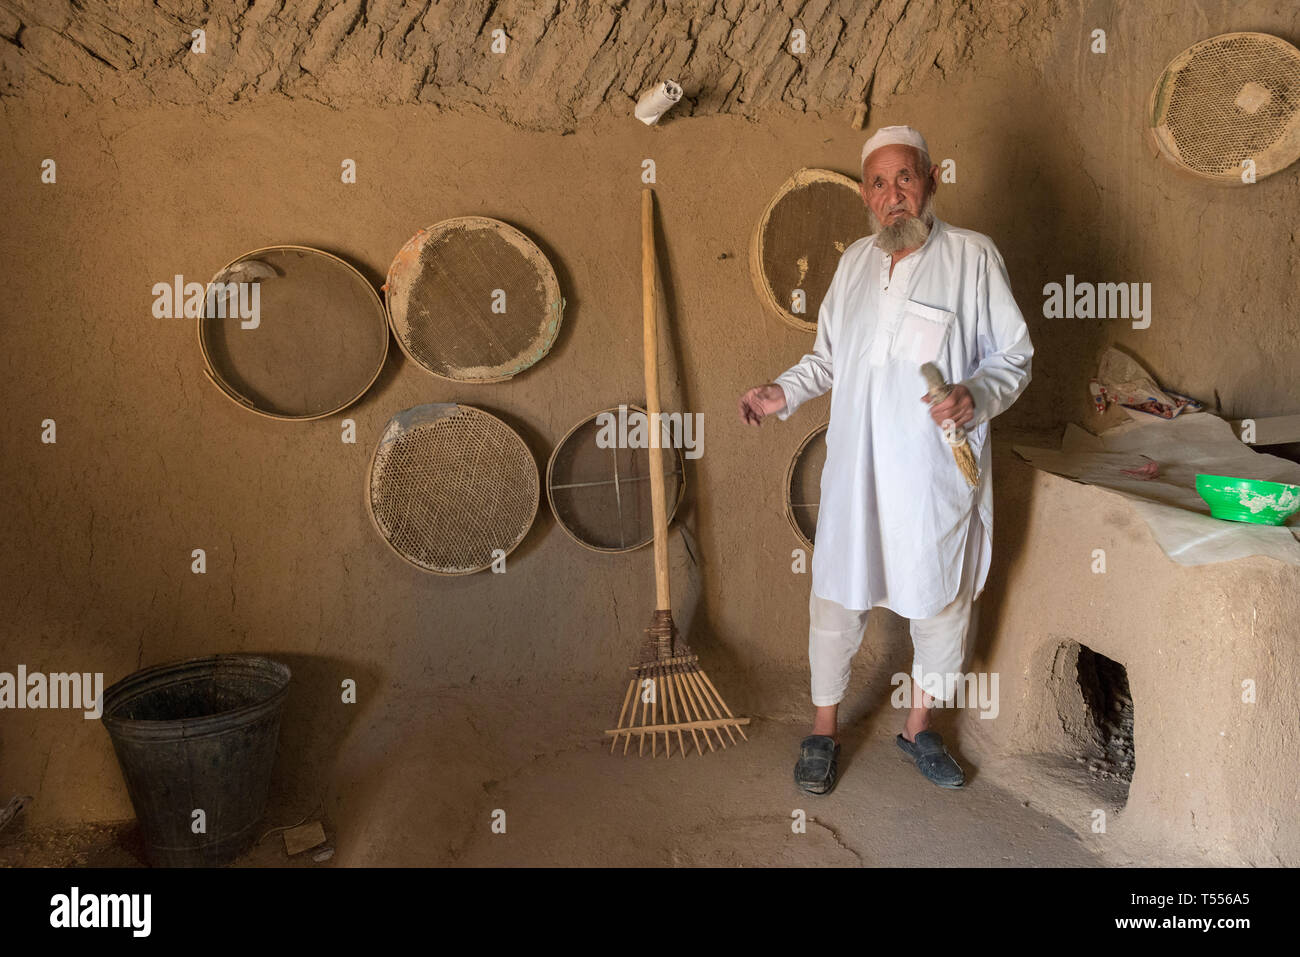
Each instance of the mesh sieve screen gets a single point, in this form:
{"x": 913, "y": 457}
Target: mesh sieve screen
{"x": 601, "y": 495}
{"x": 473, "y": 299}
{"x": 803, "y": 485}
{"x": 812, "y": 219}
{"x": 1229, "y": 99}
{"x": 450, "y": 485}
{"x": 316, "y": 344}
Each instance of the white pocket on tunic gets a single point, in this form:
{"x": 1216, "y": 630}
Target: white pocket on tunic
{"x": 921, "y": 333}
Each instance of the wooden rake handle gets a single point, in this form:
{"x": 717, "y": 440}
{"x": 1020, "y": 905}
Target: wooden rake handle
{"x": 649, "y": 305}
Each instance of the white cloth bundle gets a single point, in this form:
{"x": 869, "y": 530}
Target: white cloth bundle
{"x": 657, "y": 101}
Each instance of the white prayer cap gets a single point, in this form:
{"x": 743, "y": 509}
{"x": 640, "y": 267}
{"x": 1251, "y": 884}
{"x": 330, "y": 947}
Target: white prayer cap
{"x": 893, "y": 135}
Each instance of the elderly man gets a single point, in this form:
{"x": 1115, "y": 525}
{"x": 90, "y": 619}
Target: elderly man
{"x": 899, "y": 526}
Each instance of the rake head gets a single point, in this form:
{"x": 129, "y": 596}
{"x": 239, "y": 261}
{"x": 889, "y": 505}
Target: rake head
{"x": 670, "y": 695}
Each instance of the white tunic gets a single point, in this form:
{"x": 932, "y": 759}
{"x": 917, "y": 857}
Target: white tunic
{"x": 895, "y": 511}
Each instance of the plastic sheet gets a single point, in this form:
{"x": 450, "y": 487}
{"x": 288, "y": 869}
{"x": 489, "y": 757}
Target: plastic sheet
{"x": 1178, "y": 517}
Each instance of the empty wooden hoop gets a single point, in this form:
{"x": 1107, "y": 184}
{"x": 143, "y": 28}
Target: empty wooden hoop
{"x": 790, "y": 474}
{"x": 1212, "y": 91}
{"x": 839, "y": 236}
{"x": 231, "y": 392}
{"x": 556, "y": 511}
{"x": 462, "y": 342}
{"x": 479, "y": 496}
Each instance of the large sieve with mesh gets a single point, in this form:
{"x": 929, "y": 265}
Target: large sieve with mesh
{"x": 292, "y": 332}
{"x": 598, "y": 481}
{"x": 452, "y": 488}
{"x": 797, "y": 244}
{"x": 1228, "y": 100}
{"x": 803, "y": 485}
{"x": 473, "y": 299}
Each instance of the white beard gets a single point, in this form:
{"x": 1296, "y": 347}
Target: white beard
{"x": 908, "y": 233}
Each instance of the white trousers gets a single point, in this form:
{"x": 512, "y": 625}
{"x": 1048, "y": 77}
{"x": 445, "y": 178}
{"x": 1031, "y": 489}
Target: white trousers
{"x": 939, "y": 643}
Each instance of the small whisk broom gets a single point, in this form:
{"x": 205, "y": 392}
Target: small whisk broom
{"x": 961, "y": 450}
{"x": 668, "y": 692}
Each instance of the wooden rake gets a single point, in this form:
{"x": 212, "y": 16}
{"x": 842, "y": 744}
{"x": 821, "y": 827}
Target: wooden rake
{"x": 668, "y": 693}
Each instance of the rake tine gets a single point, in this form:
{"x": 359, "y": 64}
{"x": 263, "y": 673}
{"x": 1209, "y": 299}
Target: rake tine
{"x": 705, "y": 704}
{"x": 687, "y": 708}
{"x": 631, "y": 685}
{"x": 658, "y": 708}
{"x": 631, "y": 718}
{"x": 699, "y": 711}
{"x": 663, "y": 707}
{"x": 688, "y": 680}
{"x": 712, "y": 704}
{"x": 676, "y": 720}
{"x": 705, "y": 676}
{"x": 679, "y": 703}
{"x": 641, "y": 695}
{"x": 654, "y": 712}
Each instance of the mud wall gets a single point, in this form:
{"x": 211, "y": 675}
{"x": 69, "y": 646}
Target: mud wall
{"x": 546, "y": 66}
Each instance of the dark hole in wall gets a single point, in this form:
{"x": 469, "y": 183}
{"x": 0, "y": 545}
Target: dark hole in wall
{"x": 1103, "y": 683}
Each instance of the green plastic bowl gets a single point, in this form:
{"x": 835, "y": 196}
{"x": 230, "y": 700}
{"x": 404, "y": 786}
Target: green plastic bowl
{"x": 1248, "y": 500}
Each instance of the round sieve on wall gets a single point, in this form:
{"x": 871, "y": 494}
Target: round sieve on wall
{"x": 473, "y": 300}
{"x": 1226, "y": 103}
{"x": 599, "y": 486}
{"x": 452, "y": 488}
{"x": 292, "y": 332}
{"x": 803, "y": 485}
{"x": 796, "y": 246}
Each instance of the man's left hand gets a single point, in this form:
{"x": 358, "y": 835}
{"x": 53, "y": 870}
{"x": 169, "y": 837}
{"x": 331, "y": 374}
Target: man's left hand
{"x": 959, "y": 406}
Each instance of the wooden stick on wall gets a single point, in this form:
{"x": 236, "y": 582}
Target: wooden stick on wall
{"x": 650, "y": 330}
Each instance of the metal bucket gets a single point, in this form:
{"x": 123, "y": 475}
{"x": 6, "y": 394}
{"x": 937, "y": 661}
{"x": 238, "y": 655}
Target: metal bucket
{"x": 198, "y": 735}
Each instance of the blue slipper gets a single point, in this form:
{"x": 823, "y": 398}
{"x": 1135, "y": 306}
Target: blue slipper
{"x": 818, "y": 764}
{"x": 933, "y": 759}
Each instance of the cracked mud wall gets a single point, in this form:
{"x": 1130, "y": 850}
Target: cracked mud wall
{"x": 169, "y": 163}
{"x": 564, "y": 61}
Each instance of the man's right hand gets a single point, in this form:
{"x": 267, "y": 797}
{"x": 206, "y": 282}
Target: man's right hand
{"x": 760, "y": 402}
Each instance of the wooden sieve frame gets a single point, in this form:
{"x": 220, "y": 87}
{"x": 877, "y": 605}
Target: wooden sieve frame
{"x": 757, "y": 246}
{"x": 409, "y": 255}
{"x": 1278, "y": 157}
{"x": 789, "y": 483}
{"x": 550, "y": 499}
{"x": 233, "y": 394}
{"x": 528, "y": 526}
